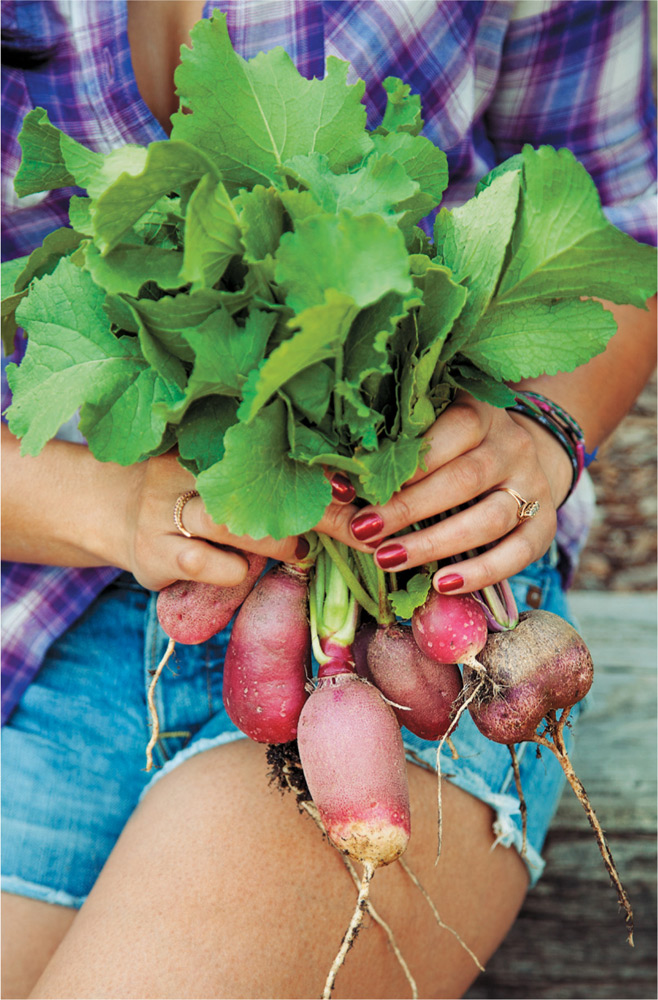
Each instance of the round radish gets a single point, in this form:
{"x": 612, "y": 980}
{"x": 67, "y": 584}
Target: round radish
{"x": 450, "y": 628}
{"x": 540, "y": 665}
{"x": 268, "y": 657}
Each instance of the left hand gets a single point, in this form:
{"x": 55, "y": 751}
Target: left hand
{"x": 474, "y": 450}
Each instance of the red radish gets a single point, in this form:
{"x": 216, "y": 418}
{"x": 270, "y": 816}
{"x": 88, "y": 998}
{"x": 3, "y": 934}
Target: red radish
{"x": 192, "y": 612}
{"x": 268, "y": 657}
{"x": 450, "y": 628}
{"x": 406, "y": 676}
{"x": 540, "y": 665}
{"x": 353, "y": 759}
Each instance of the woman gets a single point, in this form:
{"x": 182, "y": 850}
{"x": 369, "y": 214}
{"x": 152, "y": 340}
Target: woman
{"x": 215, "y": 886}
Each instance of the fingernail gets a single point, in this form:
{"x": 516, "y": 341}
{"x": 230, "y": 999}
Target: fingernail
{"x": 365, "y": 526}
{"x": 341, "y": 488}
{"x": 451, "y": 581}
{"x": 302, "y": 548}
{"x": 391, "y": 555}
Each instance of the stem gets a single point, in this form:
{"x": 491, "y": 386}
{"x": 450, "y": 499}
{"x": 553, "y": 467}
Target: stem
{"x": 350, "y": 579}
{"x": 385, "y": 616}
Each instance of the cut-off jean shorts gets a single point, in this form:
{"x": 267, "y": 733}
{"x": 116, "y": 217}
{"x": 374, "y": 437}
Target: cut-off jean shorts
{"x": 73, "y": 752}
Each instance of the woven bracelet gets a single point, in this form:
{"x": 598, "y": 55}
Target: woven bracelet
{"x": 561, "y": 425}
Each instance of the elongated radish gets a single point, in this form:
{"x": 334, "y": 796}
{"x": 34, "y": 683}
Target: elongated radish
{"x": 405, "y": 675}
{"x": 192, "y": 612}
{"x": 268, "y": 657}
{"x": 353, "y": 760}
{"x": 352, "y": 755}
{"x": 450, "y": 628}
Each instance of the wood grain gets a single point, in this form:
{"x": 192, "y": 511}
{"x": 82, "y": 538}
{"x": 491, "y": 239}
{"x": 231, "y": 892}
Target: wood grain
{"x": 569, "y": 940}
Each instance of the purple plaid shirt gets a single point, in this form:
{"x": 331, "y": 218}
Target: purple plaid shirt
{"x": 491, "y": 76}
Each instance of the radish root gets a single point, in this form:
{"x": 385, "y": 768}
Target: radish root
{"x": 446, "y": 927}
{"x": 451, "y": 728}
{"x": 150, "y": 698}
{"x": 292, "y": 775}
{"x": 352, "y": 930}
{"x": 522, "y": 803}
{"x": 555, "y": 729}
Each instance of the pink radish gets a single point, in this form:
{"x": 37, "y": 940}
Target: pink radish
{"x": 450, "y": 628}
{"x": 192, "y": 612}
{"x": 353, "y": 759}
{"x": 406, "y": 676}
{"x": 268, "y": 657}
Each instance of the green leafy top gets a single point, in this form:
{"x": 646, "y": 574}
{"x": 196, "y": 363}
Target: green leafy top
{"x": 256, "y": 290}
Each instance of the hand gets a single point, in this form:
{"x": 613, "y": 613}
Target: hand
{"x": 474, "y": 449}
{"x": 157, "y": 553}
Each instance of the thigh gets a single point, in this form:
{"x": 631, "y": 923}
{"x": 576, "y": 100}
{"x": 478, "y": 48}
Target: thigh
{"x": 31, "y": 932}
{"x": 219, "y": 887}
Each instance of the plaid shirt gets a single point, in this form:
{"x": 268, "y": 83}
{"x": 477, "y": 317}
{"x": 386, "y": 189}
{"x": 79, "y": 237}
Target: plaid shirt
{"x": 491, "y": 77}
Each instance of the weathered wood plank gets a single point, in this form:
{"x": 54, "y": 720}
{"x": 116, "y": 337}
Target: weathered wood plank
{"x": 569, "y": 940}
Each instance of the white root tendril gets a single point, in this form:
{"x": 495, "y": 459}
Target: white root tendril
{"x": 522, "y": 803}
{"x": 150, "y": 698}
{"x": 444, "y": 738}
{"x": 446, "y": 927}
{"x": 352, "y": 930}
{"x": 312, "y": 810}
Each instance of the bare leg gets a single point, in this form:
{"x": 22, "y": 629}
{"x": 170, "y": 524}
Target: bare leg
{"x": 219, "y": 888}
{"x": 31, "y": 931}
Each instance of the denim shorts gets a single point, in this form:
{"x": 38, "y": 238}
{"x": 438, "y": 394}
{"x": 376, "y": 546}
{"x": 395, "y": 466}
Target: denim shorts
{"x": 73, "y": 752}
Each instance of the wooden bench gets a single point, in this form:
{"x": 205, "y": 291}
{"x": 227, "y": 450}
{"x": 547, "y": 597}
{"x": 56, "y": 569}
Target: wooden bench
{"x": 569, "y": 940}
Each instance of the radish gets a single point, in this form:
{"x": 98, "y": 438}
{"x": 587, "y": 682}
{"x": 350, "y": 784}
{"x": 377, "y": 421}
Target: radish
{"x": 353, "y": 760}
{"x": 539, "y": 666}
{"x": 405, "y": 675}
{"x": 525, "y": 675}
{"x": 268, "y": 657}
{"x": 450, "y": 628}
{"x": 192, "y": 612}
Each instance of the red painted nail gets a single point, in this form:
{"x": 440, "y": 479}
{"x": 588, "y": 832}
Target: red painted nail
{"x": 391, "y": 555}
{"x": 365, "y": 526}
{"x": 451, "y": 581}
{"x": 302, "y": 548}
{"x": 341, "y": 488}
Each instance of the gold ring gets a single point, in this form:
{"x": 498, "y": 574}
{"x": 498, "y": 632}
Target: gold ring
{"x": 525, "y": 508}
{"x": 178, "y": 512}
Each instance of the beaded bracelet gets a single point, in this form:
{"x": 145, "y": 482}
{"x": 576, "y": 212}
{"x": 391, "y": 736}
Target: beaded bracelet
{"x": 561, "y": 425}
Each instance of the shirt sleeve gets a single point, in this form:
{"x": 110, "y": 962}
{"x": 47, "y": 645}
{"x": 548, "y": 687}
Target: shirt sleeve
{"x": 578, "y": 74}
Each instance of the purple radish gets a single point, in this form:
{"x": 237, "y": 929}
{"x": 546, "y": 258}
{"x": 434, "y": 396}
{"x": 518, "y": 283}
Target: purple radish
{"x": 353, "y": 759}
{"x": 406, "y": 676}
{"x": 192, "y": 612}
{"x": 268, "y": 657}
{"x": 537, "y": 667}
{"x": 524, "y": 676}
{"x": 450, "y": 628}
